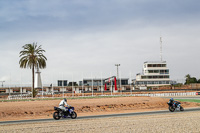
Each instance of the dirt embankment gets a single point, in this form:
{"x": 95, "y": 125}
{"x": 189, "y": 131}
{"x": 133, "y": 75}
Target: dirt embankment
{"x": 44, "y": 109}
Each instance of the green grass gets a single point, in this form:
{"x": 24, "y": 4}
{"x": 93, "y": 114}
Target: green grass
{"x": 59, "y": 98}
{"x": 189, "y": 100}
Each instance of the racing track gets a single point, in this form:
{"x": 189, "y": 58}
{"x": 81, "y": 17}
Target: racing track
{"x": 99, "y": 116}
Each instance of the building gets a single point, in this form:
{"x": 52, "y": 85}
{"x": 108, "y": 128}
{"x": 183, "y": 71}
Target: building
{"x": 153, "y": 74}
{"x": 101, "y": 82}
{"x": 62, "y": 82}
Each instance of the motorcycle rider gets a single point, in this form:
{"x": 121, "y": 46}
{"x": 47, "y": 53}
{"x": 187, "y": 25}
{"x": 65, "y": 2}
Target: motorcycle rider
{"x": 175, "y": 103}
{"x": 62, "y": 105}
{"x": 171, "y": 100}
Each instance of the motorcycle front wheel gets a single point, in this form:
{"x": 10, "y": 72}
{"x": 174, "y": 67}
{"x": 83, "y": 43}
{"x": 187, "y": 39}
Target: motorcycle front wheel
{"x": 73, "y": 115}
{"x": 171, "y": 109}
{"x": 56, "y": 115}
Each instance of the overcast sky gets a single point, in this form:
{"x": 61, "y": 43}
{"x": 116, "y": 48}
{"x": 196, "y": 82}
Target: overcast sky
{"x": 86, "y": 38}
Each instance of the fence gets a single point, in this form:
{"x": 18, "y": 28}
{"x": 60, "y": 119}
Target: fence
{"x": 21, "y": 96}
{"x": 28, "y": 96}
{"x": 167, "y": 94}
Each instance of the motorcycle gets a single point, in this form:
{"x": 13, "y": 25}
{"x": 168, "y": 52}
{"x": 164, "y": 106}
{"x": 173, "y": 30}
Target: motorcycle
{"x": 62, "y": 114}
{"x": 175, "y": 106}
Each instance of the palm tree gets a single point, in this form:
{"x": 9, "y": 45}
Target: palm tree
{"x": 32, "y": 57}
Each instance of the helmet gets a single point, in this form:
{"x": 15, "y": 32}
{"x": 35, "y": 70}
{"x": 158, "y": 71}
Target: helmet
{"x": 171, "y": 99}
{"x": 65, "y": 99}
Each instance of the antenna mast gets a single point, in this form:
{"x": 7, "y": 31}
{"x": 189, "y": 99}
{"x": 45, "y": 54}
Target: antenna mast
{"x": 160, "y": 48}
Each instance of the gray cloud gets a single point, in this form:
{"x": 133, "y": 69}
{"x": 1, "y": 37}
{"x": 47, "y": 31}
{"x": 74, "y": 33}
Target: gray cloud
{"x": 90, "y": 37}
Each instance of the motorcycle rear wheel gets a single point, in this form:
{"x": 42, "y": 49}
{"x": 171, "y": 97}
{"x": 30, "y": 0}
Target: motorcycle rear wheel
{"x": 56, "y": 115}
{"x": 73, "y": 115}
{"x": 181, "y": 108}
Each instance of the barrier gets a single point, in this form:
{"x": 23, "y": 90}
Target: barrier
{"x": 28, "y": 96}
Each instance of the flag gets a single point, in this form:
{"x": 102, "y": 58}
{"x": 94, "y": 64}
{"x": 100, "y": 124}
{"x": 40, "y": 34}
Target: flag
{"x": 105, "y": 87}
{"x": 115, "y": 84}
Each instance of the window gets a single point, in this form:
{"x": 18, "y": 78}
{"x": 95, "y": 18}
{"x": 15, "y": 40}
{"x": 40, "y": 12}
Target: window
{"x": 144, "y": 77}
{"x": 166, "y": 71}
{"x": 166, "y": 76}
{"x": 62, "y": 82}
{"x": 155, "y": 77}
{"x": 150, "y": 71}
{"x": 156, "y": 71}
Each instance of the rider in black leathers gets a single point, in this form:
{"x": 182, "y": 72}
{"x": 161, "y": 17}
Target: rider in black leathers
{"x": 174, "y": 103}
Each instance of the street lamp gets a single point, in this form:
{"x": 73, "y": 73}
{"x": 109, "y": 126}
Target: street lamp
{"x": 117, "y": 73}
{"x": 2, "y": 83}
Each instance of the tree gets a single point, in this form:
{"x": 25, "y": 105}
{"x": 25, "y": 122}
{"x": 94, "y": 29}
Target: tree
{"x": 190, "y": 79}
{"x": 32, "y": 57}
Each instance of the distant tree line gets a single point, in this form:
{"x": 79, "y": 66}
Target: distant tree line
{"x": 190, "y": 79}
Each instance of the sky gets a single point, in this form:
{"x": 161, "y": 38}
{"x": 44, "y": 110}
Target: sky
{"x": 86, "y": 38}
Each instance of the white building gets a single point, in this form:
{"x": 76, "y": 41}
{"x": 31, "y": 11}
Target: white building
{"x": 154, "y": 74}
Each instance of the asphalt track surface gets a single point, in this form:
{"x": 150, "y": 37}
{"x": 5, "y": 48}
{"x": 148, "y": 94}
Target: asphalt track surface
{"x": 99, "y": 116}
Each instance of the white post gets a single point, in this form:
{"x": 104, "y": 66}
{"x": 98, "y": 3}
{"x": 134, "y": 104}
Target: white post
{"x": 101, "y": 85}
{"x": 63, "y": 85}
{"x": 130, "y": 84}
{"x": 72, "y": 85}
{"x": 92, "y": 84}
{"x": 9, "y": 84}
{"x": 82, "y": 85}
{"x": 52, "y": 90}
{"x": 42, "y": 91}
{"x": 52, "y": 86}
{"x": 120, "y": 82}
{"x": 21, "y": 83}
{"x": 111, "y": 84}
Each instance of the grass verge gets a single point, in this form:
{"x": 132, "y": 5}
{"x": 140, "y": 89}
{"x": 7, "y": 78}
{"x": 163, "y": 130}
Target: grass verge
{"x": 189, "y": 100}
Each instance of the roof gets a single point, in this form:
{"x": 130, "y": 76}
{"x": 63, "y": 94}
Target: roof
{"x": 156, "y": 62}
